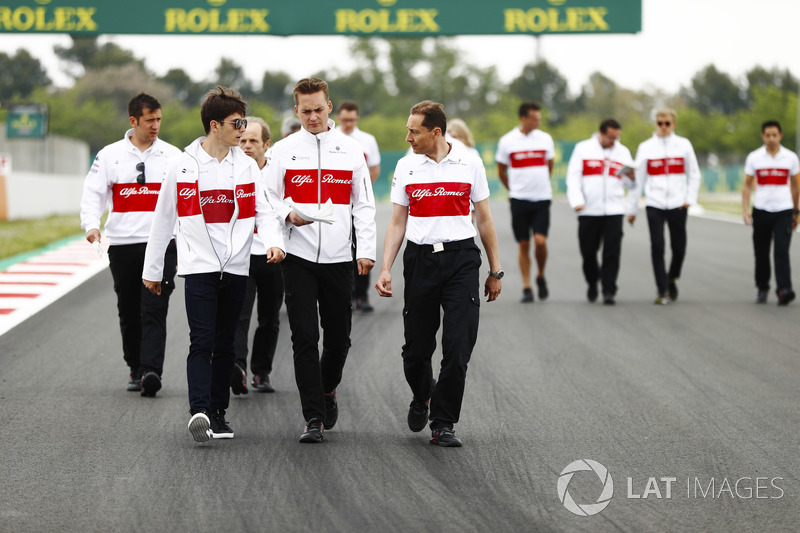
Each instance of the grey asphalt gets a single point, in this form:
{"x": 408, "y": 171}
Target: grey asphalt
{"x": 704, "y": 391}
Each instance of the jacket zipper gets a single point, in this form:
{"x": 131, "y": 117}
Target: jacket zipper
{"x": 319, "y": 194}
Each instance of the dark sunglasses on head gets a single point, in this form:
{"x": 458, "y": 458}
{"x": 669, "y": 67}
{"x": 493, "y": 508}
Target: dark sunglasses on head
{"x": 238, "y": 124}
{"x": 664, "y": 123}
{"x": 140, "y": 177}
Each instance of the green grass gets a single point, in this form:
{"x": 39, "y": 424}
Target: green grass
{"x": 730, "y": 208}
{"x": 20, "y": 236}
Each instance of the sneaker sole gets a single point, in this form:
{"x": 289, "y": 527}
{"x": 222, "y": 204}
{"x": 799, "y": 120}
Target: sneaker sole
{"x": 311, "y": 439}
{"x": 151, "y": 384}
{"x": 455, "y": 444}
{"x": 221, "y": 435}
{"x": 199, "y": 427}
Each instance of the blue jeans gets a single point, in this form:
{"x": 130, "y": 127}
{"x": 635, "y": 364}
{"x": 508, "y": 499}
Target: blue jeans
{"x": 213, "y": 306}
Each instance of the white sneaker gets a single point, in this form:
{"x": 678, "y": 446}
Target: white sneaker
{"x": 199, "y": 427}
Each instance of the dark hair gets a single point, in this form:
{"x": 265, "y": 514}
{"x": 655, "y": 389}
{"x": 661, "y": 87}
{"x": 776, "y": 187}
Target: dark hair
{"x": 433, "y": 113}
{"x": 310, "y": 86}
{"x": 140, "y": 102}
{"x": 771, "y": 124}
{"x": 264, "y": 127}
{"x": 348, "y": 105}
{"x": 220, "y": 103}
{"x": 609, "y": 123}
{"x": 527, "y": 107}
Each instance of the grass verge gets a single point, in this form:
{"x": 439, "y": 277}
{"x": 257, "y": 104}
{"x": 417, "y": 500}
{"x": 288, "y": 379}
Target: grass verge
{"x": 20, "y": 236}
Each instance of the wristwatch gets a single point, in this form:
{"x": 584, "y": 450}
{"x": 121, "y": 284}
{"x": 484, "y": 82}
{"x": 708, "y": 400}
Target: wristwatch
{"x": 498, "y": 275}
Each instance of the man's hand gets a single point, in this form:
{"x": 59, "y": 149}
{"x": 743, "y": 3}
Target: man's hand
{"x": 492, "y": 288}
{"x": 93, "y": 235}
{"x": 153, "y": 286}
{"x": 384, "y": 284}
{"x": 296, "y": 220}
{"x": 748, "y": 218}
{"x": 580, "y": 207}
{"x": 631, "y": 218}
{"x": 364, "y": 266}
{"x": 275, "y": 255}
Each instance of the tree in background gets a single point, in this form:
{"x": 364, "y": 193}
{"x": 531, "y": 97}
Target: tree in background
{"x": 712, "y": 91}
{"x": 20, "y": 74}
{"x": 543, "y": 83}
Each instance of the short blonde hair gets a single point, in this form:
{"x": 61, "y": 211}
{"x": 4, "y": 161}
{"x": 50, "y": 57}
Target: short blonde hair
{"x": 667, "y": 112}
{"x": 459, "y": 129}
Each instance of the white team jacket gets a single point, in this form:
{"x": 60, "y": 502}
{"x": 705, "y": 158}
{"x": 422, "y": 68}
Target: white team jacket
{"x": 179, "y": 200}
{"x": 113, "y": 178}
{"x": 592, "y": 178}
{"x": 310, "y": 169}
{"x": 667, "y": 169}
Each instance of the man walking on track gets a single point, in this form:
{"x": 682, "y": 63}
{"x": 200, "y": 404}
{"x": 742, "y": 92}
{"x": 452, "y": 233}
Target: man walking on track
{"x": 431, "y": 194}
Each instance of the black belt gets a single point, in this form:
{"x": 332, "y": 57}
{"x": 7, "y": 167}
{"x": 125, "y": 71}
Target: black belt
{"x": 439, "y": 247}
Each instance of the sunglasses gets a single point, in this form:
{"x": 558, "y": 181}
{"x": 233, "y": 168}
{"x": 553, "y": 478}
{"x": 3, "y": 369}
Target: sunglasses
{"x": 664, "y": 123}
{"x": 140, "y": 177}
{"x": 239, "y": 123}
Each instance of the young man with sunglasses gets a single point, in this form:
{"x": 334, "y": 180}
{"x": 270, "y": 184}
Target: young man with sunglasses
{"x": 126, "y": 175}
{"x": 667, "y": 171}
{"x": 214, "y": 192}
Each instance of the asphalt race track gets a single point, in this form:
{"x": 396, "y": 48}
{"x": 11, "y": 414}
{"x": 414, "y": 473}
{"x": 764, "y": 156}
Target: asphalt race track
{"x": 692, "y": 408}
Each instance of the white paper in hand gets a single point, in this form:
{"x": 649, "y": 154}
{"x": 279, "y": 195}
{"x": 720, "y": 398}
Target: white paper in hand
{"x": 324, "y": 214}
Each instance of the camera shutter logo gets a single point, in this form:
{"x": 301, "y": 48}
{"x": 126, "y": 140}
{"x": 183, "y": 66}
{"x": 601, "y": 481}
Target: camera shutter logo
{"x": 585, "y": 509}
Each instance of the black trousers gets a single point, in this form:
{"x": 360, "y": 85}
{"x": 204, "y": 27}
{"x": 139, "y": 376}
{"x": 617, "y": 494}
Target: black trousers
{"x": 266, "y": 282}
{"x": 434, "y": 282}
{"x": 592, "y": 232}
{"x": 142, "y": 314}
{"x": 213, "y": 307}
{"x": 769, "y": 227}
{"x": 675, "y": 219}
{"x": 315, "y": 293}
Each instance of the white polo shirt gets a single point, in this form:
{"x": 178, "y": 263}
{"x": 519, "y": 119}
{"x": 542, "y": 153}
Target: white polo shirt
{"x": 438, "y": 195}
{"x": 368, "y": 143}
{"x": 773, "y": 178}
{"x": 526, "y": 157}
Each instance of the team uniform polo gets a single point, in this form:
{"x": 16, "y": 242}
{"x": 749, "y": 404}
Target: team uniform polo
{"x": 773, "y": 177}
{"x": 368, "y": 143}
{"x": 440, "y": 267}
{"x": 438, "y": 195}
{"x": 527, "y": 157}
{"x": 772, "y": 213}
{"x": 593, "y": 180}
{"x": 111, "y": 182}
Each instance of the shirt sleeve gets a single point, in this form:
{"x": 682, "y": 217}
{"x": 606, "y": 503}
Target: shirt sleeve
{"x": 270, "y": 229}
{"x": 501, "y": 154}
{"x": 399, "y": 195}
{"x": 480, "y": 186}
{"x": 574, "y": 175}
{"x": 162, "y": 228}
{"x": 551, "y": 148}
{"x": 694, "y": 175}
{"x": 363, "y": 210}
{"x": 95, "y": 192}
{"x": 749, "y": 164}
{"x": 275, "y": 185}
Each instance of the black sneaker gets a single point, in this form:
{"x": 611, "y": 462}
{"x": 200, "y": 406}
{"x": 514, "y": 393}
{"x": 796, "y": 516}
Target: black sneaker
{"x": 541, "y": 285}
{"x": 313, "y": 431}
{"x": 445, "y": 437}
{"x": 418, "y": 415}
{"x": 364, "y": 306}
{"x": 608, "y": 299}
{"x": 331, "y": 410}
{"x": 135, "y": 382}
{"x": 527, "y": 296}
{"x": 261, "y": 383}
{"x": 151, "y": 384}
{"x": 591, "y": 293}
{"x": 672, "y": 289}
{"x": 219, "y": 428}
{"x": 199, "y": 426}
{"x": 785, "y": 296}
{"x": 238, "y": 380}
{"x": 761, "y": 297}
